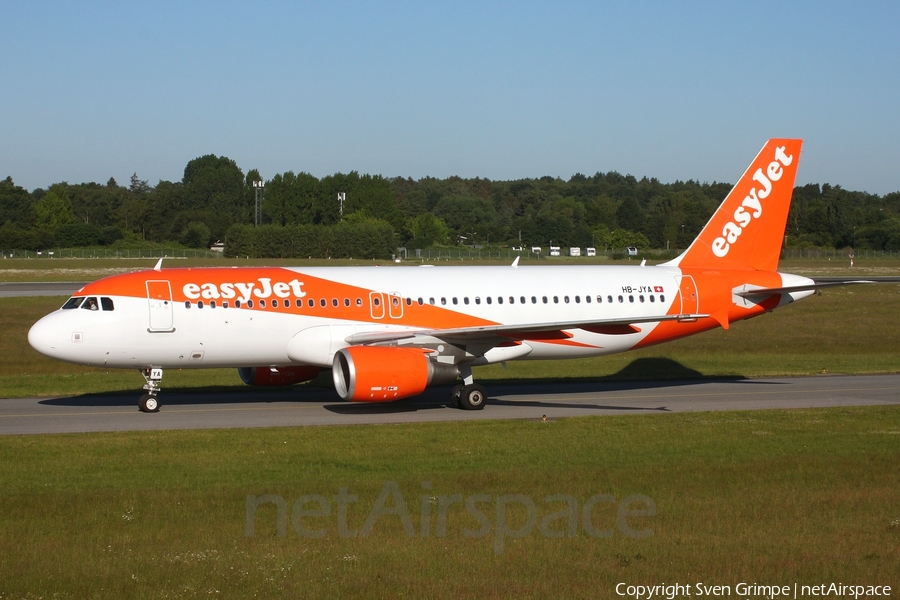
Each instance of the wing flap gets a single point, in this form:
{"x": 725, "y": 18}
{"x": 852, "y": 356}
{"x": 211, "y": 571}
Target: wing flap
{"x": 531, "y": 331}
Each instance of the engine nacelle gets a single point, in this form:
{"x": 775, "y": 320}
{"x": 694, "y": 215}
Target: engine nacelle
{"x": 266, "y": 376}
{"x": 383, "y": 374}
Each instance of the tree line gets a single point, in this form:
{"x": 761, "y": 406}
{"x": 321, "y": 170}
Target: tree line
{"x": 301, "y": 216}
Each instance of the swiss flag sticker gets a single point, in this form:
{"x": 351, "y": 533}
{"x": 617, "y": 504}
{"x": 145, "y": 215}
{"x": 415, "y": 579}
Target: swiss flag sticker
{"x": 657, "y": 288}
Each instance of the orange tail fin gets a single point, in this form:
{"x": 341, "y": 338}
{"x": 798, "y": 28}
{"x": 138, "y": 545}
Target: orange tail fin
{"x": 747, "y": 229}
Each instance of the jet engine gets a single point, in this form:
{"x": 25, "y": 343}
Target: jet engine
{"x": 383, "y": 374}
{"x": 277, "y": 376}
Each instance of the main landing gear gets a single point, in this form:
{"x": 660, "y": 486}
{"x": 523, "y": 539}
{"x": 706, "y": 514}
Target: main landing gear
{"x": 149, "y": 402}
{"x": 468, "y": 395}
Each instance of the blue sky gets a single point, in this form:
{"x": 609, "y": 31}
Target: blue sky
{"x": 673, "y": 90}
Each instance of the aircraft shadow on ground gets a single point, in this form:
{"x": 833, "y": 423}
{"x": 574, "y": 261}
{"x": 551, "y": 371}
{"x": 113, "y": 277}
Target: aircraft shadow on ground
{"x": 640, "y": 374}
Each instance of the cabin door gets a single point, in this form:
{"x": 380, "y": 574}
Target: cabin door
{"x": 159, "y": 296}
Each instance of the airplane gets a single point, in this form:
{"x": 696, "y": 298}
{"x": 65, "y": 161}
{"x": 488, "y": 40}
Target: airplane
{"x": 388, "y": 333}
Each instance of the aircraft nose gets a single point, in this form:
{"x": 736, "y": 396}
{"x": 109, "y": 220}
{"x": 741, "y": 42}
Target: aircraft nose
{"x": 42, "y": 336}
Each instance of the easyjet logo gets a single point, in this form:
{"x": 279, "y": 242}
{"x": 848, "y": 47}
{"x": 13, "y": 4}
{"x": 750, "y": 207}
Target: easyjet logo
{"x": 751, "y": 208}
{"x": 261, "y": 288}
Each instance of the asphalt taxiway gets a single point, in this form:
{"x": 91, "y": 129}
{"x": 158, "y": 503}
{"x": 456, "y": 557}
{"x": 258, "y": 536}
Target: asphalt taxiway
{"x": 302, "y": 406}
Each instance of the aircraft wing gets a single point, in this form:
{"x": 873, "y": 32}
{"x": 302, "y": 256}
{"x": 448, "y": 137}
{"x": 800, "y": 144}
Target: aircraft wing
{"x": 535, "y": 331}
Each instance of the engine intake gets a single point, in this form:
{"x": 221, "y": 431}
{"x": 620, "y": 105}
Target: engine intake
{"x": 384, "y": 374}
{"x": 277, "y": 376}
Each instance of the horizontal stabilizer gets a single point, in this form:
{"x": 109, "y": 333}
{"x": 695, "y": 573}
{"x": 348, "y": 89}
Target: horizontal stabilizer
{"x": 816, "y": 285}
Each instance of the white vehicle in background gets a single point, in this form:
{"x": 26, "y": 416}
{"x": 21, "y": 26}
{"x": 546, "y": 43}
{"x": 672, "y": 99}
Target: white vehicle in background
{"x": 554, "y": 250}
{"x": 574, "y": 251}
{"x": 592, "y": 252}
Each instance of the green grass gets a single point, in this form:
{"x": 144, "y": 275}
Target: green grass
{"x": 90, "y": 269}
{"x": 771, "y": 496}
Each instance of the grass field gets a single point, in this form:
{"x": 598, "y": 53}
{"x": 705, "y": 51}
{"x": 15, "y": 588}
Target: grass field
{"x": 774, "y": 497}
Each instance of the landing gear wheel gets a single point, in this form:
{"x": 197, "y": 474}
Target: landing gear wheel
{"x": 472, "y": 397}
{"x": 148, "y": 403}
{"x": 454, "y": 395}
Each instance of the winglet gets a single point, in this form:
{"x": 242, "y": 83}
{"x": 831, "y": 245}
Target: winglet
{"x": 515, "y": 264}
{"x": 747, "y": 230}
{"x": 158, "y": 266}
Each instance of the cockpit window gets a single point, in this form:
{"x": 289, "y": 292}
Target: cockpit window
{"x": 106, "y": 304}
{"x": 73, "y": 302}
{"x": 91, "y": 304}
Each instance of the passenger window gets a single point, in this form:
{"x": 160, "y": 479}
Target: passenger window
{"x": 237, "y": 303}
{"x": 323, "y": 303}
{"x": 641, "y": 297}
{"x": 224, "y": 303}
{"x": 311, "y": 303}
{"x": 431, "y": 301}
{"x": 566, "y": 299}
{"x": 466, "y": 300}
{"x": 586, "y": 299}
{"x": 262, "y": 303}
{"x": 662, "y": 298}
{"x": 298, "y": 302}
{"x": 621, "y": 299}
{"x": 274, "y": 303}
{"x": 631, "y": 299}
{"x": 499, "y": 299}
{"x": 477, "y": 300}
{"x": 489, "y": 301}
{"x": 187, "y": 303}
{"x": 443, "y": 301}
{"x": 90, "y": 304}
{"x": 359, "y": 301}
{"x": 212, "y": 303}
{"x": 106, "y": 304}
{"x": 73, "y": 303}
{"x": 599, "y": 299}
{"x": 347, "y": 301}
{"x": 555, "y": 299}
{"x": 334, "y": 301}
{"x": 200, "y": 303}
{"x": 533, "y": 300}
{"x": 409, "y": 301}
{"x": 652, "y": 298}
{"x": 249, "y": 304}
{"x": 454, "y": 300}
{"x": 544, "y": 298}
{"x": 577, "y": 299}
{"x": 420, "y": 302}
{"x": 609, "y": 299}
{"x": 521, "y": 299}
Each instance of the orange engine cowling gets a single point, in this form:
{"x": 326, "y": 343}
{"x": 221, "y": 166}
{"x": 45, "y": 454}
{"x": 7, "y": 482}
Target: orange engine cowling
{"x": 267, "y": 376}
{"x": 383, "y": 374}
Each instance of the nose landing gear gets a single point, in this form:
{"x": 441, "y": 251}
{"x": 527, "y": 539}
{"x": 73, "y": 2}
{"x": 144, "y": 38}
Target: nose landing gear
{"x": 149, "y": 402}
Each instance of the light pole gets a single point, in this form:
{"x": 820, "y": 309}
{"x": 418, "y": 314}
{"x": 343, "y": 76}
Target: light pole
{"x": 257, "y": 187}
{"x": 341, "y": 197}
